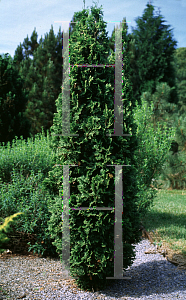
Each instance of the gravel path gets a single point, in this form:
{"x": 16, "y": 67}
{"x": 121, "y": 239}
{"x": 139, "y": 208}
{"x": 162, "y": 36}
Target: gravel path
{"x": 152, "y": 277}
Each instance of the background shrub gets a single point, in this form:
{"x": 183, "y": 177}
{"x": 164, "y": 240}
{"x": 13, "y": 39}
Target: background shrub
{"x": 23, "y": 168}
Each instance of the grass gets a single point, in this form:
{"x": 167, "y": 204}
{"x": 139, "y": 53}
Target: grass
{"x": 166, "y": 221}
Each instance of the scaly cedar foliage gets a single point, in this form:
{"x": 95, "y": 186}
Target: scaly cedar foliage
{"x": 92, "y": 183}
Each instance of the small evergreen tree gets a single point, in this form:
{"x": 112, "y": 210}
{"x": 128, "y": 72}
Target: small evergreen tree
{"x": 154, "y": 54}
{"x": 92, "y": 184}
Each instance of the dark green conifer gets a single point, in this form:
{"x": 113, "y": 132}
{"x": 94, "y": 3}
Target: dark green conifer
{"x": 154, "y": 54}
{"x": 30, "y": 46}
{"x": 13, "y": 100}
{"x": 92, "y": 182}
{"x": 18, "y": 57}
{"x": 43, "y": 77}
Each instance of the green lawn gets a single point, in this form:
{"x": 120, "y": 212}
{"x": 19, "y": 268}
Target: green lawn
{"x": 166, "y": 220}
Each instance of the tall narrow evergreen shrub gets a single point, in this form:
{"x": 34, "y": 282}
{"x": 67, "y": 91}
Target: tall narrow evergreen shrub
{"x": 92, "y": 183}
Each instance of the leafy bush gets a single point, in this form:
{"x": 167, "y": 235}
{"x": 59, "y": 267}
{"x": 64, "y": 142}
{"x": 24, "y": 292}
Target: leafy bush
{"x": 30, "y": 197}
{"x": 154, "y": 144}
{"x": 23, "y": 167}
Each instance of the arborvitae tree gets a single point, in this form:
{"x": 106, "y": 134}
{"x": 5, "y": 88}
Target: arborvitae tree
{"x": 12, "y": 102}
{"x": 130, "y": 43}
{"x": 130, "y": 49}
{"x": 92, "y": 183}
{"x": 154, "y": 54}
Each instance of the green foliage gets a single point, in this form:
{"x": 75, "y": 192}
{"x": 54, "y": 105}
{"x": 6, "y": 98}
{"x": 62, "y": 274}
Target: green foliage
{"x": 29, "y": 197}
{"x": 129, "y": 47}
{"x": 92, "y": 184}
{"x": 154, "y": 143}
{"x": 174, "y": 174}
{"x": 154, "y": 54}
{"x": 42, "y": 77}
{"x": 180, "y": 65}
{"x": 25, "y": 50}
{"x": 5, "y": 228}
{"x": 55, "y": 222}
{"x": 12, "y": 102}
{"x": 23, "y": 168}
{"x": 157, "y": 68}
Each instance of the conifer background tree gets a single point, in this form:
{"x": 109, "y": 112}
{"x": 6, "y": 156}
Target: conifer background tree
{"x": 13, "y": 101}
{"x": 39, "y": 64}
{"x": 92, "y": 183}
{"x": 154, "y": 54}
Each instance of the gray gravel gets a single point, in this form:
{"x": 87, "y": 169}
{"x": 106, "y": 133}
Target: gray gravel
{"x": 152, "y": 277}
